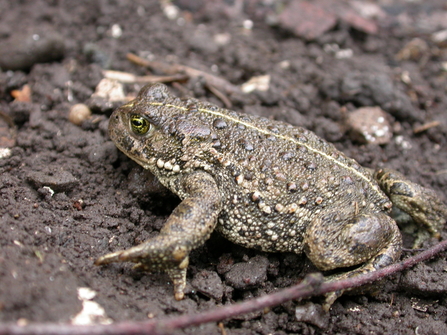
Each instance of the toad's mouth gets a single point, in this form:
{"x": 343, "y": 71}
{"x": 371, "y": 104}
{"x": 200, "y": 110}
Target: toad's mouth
{"x": 128, "y": 146}
{"x": 141, "y": 162}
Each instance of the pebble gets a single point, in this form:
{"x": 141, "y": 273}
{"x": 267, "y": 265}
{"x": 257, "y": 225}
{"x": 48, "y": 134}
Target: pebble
{"x": 246, "y": 275}
{"x": 312, "y": 313}
{"x": 79, "y": 113}
{"x": 310, "y": 20}
{"x": 109, "y": 95}
{"x": 260, "y": 83}
{"x": 306, "y": 20}
{"x": 369, "y": 125}
{"x": 414, "y": 50}
{"x": 57, "y": 180}
{"x": 24, "y": 49}
{"x": 209, "y": 284}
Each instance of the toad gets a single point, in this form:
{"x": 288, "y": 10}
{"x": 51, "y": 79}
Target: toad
{"x": 262, "y": 184}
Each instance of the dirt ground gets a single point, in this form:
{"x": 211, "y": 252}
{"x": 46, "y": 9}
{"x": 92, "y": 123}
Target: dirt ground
{"x": 68, "y": 196}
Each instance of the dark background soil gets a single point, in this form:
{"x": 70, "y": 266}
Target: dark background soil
{"x": 49, "y": 241}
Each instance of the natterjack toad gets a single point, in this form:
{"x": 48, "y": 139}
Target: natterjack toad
{"x": 262, "y": 184}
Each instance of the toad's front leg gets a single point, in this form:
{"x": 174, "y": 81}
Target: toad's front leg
{"x": 188, "y": 227}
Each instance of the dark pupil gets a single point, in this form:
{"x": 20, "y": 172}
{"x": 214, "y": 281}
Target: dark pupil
{"x": 137, "y": 123}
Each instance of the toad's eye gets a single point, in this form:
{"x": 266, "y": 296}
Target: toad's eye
{"x": 139, "y": 124}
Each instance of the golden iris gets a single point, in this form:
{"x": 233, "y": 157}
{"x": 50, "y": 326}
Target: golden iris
{"x": 139, "y": 124}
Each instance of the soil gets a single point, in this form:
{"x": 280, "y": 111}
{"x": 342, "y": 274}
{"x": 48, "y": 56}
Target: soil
{"x": 68, "y": 196}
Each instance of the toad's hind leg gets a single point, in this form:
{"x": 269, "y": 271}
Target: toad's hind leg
{"x": 335, "y": 240}
{"x": 189, "y": 226}
{"x": 421, "y": 203}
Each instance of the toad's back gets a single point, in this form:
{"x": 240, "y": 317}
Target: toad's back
{"x": 274, "y": 178}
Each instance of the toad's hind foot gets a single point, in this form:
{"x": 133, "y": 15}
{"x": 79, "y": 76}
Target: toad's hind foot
{"x": 380, "y": 261}
{"x": 422, "y": 204}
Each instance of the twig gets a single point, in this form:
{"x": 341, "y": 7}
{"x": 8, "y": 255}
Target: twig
{"x": 311, "y": 285}
{"x": 426, "y": 126}
{"x": 171, "y": 69}
{"x": 129, "y": 78}
{"x": 220, "y": 95}
{"x": 444, "y": 171}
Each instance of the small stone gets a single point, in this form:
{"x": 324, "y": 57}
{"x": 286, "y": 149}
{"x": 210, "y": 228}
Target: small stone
{"x": 111, "y": 90}
{"x": 307, "y": 20}
{"x": 312, "y": 313}
{"x": 369, "y": 125}
{"x": 5, "y": 153}
{"x": 23, "y": 95}
{"x": 259, "y": 83}
{"x": 79, "y": 113}
{"x": 246, "y": 275}
{"x": 349, "y": 13}
{"x": 57, "y": 180}
{"x": 209, "y": 284}
{"x": 414, "y": 50}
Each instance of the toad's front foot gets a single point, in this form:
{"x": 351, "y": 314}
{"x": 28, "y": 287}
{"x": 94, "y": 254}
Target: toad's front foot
{"x": 171, "y": 258}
